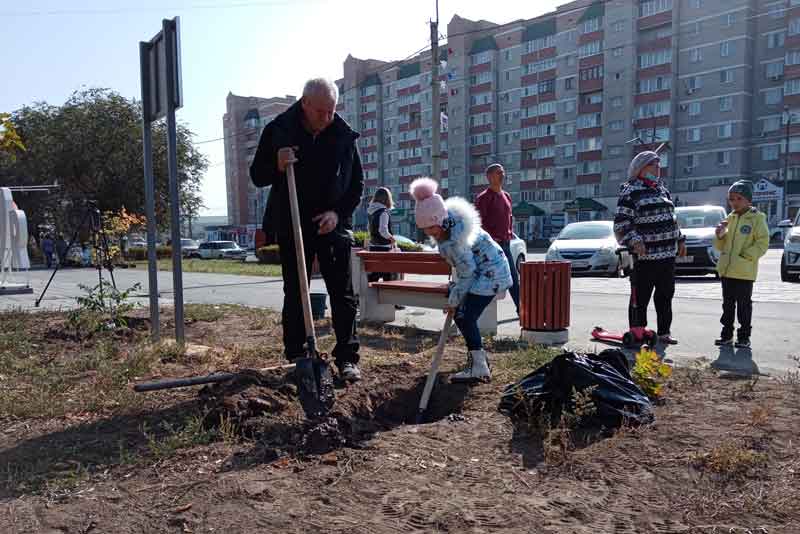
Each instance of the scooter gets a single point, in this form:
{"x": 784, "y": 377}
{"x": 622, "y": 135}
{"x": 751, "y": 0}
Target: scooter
{"x": 637, "y": 335}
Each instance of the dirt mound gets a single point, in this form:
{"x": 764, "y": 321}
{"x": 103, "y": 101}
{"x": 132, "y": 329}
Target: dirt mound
{"x": 265, "y": 407}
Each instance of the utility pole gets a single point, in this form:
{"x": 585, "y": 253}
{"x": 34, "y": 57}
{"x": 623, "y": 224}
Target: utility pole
{"x": 785, "y": 204}
{"x": 435, "y": 90}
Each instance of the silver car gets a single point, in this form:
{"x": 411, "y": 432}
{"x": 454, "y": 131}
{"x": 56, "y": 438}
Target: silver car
{"x": 790, "y": 260}
{"x": 220, "y": 250}
{"x": 591, "y": 248}
{"x": 698, "y": 224}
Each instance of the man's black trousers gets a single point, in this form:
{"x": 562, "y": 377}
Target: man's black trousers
{"x": 737, "y": 298}
{"x": 333, "y": 252}
{"x": 650, "y": 276}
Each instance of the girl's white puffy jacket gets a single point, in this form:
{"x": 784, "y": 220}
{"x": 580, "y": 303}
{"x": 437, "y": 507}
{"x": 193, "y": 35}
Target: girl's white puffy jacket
{"x": 480, "y": 266}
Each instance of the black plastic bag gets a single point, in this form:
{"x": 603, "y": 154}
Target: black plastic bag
{"x": 550, "y": 390}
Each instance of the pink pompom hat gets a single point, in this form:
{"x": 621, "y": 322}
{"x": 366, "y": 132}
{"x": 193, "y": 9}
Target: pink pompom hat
{"x": 430, "y": 209}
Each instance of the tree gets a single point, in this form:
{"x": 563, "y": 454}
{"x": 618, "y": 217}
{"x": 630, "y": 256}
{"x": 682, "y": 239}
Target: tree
{"x": 91, "y": 146}
{"x": 10, "y": 143}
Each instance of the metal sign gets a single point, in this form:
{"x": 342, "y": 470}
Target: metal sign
{"x": 154, "y": 71}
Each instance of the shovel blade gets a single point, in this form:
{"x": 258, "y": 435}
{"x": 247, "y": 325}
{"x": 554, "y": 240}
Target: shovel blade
{"x": 315, "y": 386}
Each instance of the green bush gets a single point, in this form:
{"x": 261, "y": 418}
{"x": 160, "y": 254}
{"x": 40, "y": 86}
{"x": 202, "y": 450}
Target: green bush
{"x": 360, "y": 237}
{"x": 406, "y": 247}
{"x": 269, "y": 254}
{"x": 140, "y": 253}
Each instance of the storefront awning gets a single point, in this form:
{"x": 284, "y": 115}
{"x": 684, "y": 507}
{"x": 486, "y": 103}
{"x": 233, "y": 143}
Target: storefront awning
{"x": 526, "y": 209}
{"x": 584, "y": 204}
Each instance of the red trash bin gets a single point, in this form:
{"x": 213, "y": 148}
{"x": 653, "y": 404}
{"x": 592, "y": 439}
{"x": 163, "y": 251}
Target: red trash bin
{"x": 544, "y": 295}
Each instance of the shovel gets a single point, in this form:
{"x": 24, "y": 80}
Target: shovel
{"x": 312, "y": 372}
{"x": 437, "y": 358}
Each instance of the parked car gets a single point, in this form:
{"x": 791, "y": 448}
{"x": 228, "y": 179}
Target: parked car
{"x": 219, "y": 250}
{"x": 138, "y": 243}
{"x": 790, "y": 261}
{"x": 698, "y": 224}
{"x": 591, "y": 247}
{"x": 189, "y": 247}
{"x": 518, "y": 249}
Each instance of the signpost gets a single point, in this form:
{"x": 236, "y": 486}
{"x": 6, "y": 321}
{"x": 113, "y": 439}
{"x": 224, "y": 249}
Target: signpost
{"x": 162, "y": 94}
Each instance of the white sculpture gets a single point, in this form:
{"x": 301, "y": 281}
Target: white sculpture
{"x": 13, "y": 242}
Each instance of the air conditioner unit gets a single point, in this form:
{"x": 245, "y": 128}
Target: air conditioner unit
{"x": 690, "y": 91}
{"x": 684, "y": 107}
{"x": 688, "y": 170}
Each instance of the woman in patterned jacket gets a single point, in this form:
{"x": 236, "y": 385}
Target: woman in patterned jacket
{"x": 481, "y": 268}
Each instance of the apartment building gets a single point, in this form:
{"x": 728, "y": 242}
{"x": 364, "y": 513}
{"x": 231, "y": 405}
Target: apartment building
{"x": 558, "y": 100}
{"x": 242, "y": 123}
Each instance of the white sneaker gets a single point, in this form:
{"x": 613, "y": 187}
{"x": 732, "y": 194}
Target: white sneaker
{"x": 477, "y": 369}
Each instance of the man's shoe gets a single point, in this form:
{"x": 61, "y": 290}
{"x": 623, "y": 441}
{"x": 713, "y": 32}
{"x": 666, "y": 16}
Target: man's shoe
{"x": 724, "y": 341}
{"x": 743, "y": 343}
{"x": 349, "y": 372}
{"x": 667, "y": 339}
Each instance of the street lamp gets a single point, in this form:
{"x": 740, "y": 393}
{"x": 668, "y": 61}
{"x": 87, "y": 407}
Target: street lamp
{"x": 787, "y": 119}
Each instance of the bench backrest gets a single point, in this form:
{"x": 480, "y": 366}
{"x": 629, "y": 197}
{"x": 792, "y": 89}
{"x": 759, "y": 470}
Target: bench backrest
{"x": 404, "y": 262}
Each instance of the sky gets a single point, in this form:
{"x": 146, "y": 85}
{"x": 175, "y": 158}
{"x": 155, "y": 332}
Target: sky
{"x": 249, "y": 47}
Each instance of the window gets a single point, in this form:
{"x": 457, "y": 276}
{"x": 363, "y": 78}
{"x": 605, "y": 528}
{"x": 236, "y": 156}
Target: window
{"x": 776, "y": 40}
{"x": 770, "y": 152}
{"x": 615, "y": 150}
{"x": 726, "y": 76}
{"x": 695, "y": 55}
{"x": 480, "y": 139}
{"x": 773, "y": 97}
{"x": 725, "y": 131}
{"x": 793, "y": 57}
{"x": 618, "y": 51}
{"x": 652, "y": 109}
{"x": 616, "y": 125}
{"x": 726, "y": 49}
{"x": 692, "y": 161}
{"x": 794, "y": 27}
{"x": 657, "y": 57}
{"x": 480, "y": 99}
{"x": 481, "y": 57}
{"x": 695, "y": 108}
{"x": 547, "y": 86}
{"x": 662, "y": 134}
{"x": 617, "y": 102}
{"x": 774, "y": 70}
{"x": 651, "y": 85}
{"x": 726, "y": 103}
{"x": 590, "y": 167}
{"x": 569, "y": 128}
{"x": 771, "y": 124}
{"x": 693, "y": 135}
{"x": 540, "y": 43}
{"x": 618, "y": 26}
{"x": 615, "y": 176}
{"x": 590, "y": 143}
{"x": 569, "y": 82}
{"x": 694, "y": 83}
{"x": 368, "y": 107}
{"x": 723, "y": 158}
{"x": 591, "y": 120}
{"x": 508, "y": 75}
{"x": 653, "y": 7}
{"x": 539, "y": 66}
{"x": 483, "y": 77}
{"x": 569, "y": 151}
{"x": 593, "y": 73}
{"x": 571, "y": 60}
{"x": 697, "y": 4}
{"x": 590, "y": 49}
{"x": 591, "y": 25}
{"x": 569, "y": 106}
{"x": 593, "y": 98}
{"x": 791, "y": 87}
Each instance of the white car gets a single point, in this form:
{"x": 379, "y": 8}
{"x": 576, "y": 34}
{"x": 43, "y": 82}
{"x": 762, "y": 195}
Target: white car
{"x": 790, "y": 261}
{"x": 591, "y": 247}
{"x": 219, "y": 250}
{"x": 518, "y": 249}
{"x": 698, "y": 224}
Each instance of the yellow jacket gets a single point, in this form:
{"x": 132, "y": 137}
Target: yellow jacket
{"x": 746, "y": 240}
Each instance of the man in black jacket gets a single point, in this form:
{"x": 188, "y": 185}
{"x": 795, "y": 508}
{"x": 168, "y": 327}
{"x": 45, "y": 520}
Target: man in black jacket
{"x": 330, "y": 182}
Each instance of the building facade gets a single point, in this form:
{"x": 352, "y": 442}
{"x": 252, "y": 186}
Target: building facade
{"x": 242, "y": 123}
{"x": 565, "y": 100}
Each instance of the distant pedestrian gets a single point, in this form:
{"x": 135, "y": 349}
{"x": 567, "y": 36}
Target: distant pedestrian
{"x": 48, "y": 249}
{"x": 61, "y": 250}
{"x": 380, "y": 224}
{"x": 742, "y": 239}
{"x": 494, "y": 206}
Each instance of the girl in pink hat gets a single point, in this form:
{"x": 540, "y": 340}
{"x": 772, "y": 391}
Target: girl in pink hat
{"x": 481, "y": 269}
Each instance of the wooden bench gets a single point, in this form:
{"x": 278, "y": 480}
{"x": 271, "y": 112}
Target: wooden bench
{"x": 377, "y": 300}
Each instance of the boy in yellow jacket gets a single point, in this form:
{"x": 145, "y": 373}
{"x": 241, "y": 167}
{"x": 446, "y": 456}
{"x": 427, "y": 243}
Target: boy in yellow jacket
{"x": 741, "y": 239}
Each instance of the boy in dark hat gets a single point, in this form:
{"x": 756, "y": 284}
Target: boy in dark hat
{"x": 741, "y": 239}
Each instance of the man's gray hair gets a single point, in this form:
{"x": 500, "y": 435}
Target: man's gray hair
{"x": 321, "y": 87}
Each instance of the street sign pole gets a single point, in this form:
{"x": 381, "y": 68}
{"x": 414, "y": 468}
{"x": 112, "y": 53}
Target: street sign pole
{"x": 161, "y": 96}
{"x": 149, "y": 196}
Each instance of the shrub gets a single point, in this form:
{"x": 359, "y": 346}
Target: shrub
{"x": 650, "y": 373}
{"x": 269, "y": 254}
{"x": 140, "y": 253}
{"x": 360, "y": 237}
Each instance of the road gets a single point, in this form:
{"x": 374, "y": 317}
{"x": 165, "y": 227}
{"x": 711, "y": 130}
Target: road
{"x": 697, "y": 307}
